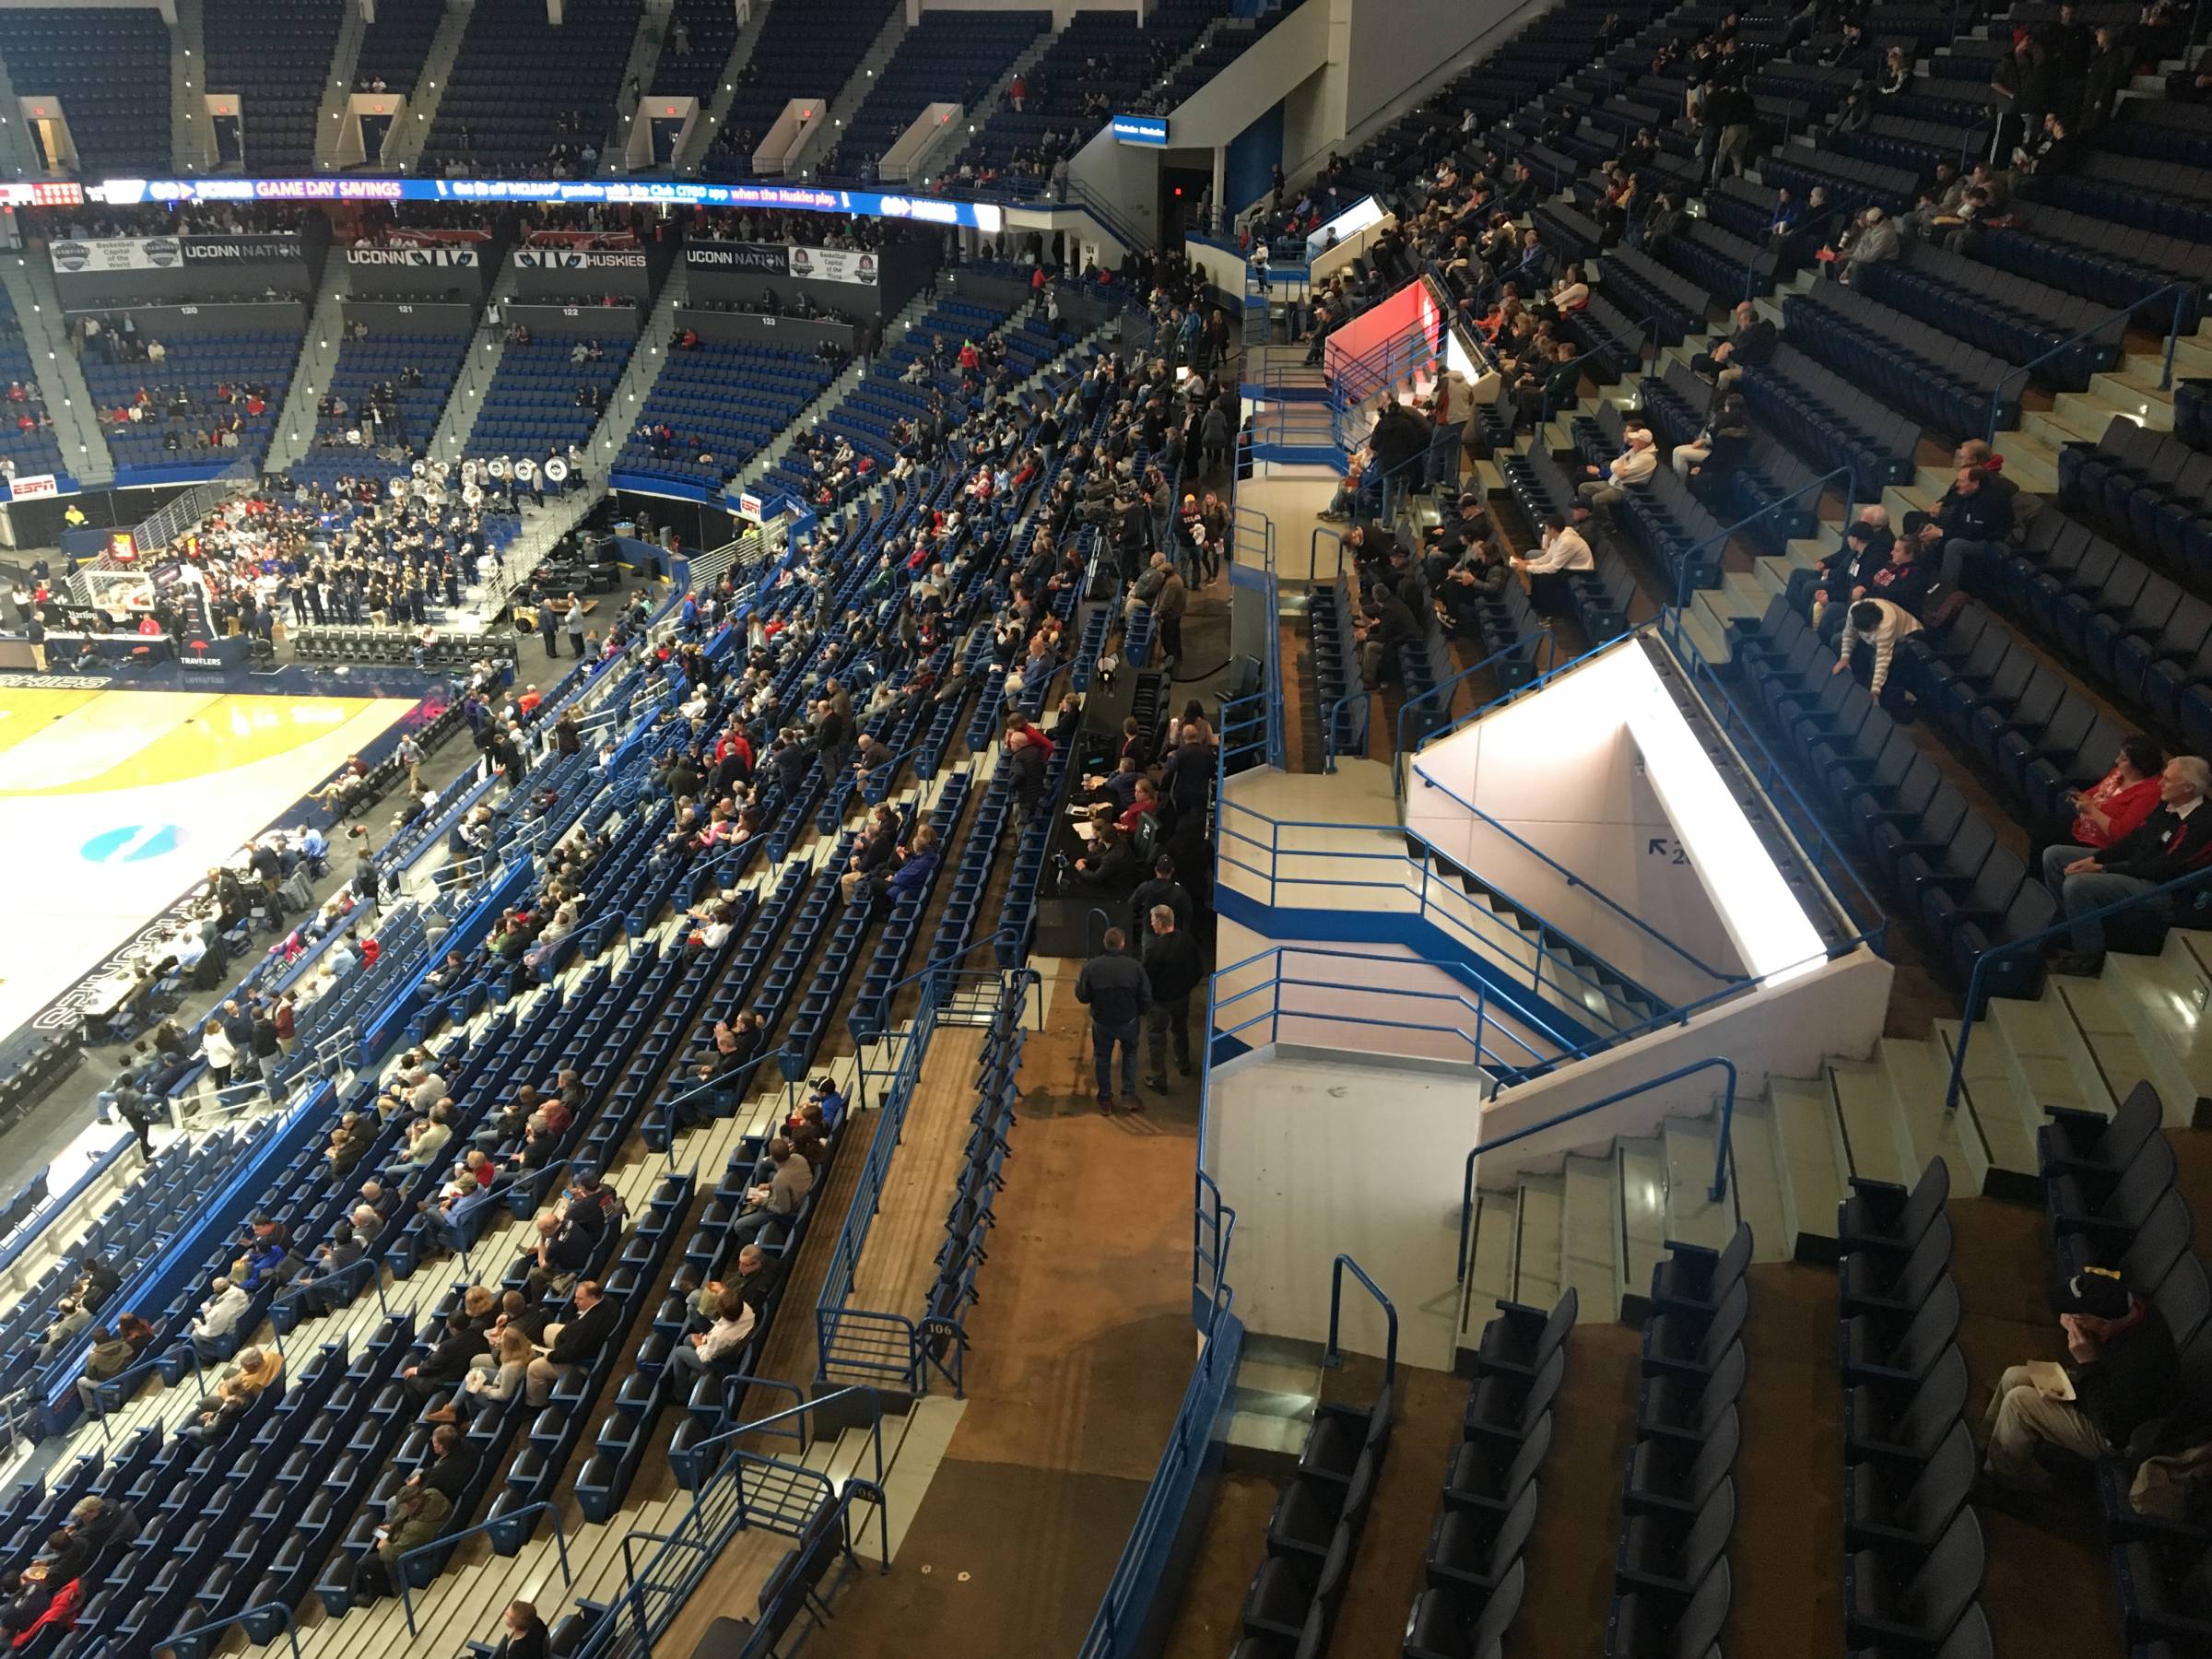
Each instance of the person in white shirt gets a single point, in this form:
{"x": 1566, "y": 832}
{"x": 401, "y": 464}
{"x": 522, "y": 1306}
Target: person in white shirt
{"x": 218, "y": 1315}
{"x": 1563, "y": 550}
{"x": 1633, "y": 466}
{"x": 1879, "y": 625}
{"x": 220, "y": 1052}
{"x": 720, "y": 1343}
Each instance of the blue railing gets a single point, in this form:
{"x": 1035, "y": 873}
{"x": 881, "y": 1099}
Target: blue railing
{"x": 1977, "y": 983}
{"x": 2182, "y": 293}
{"x": 1333, "y": 1355}
{"x": 192, "y": 1643}
{"x": 503, "y": 1524}
{"x": 1575, "y": 881}
{"x": 1806, "y": 496}
{"x": 1718, "y": 1190}
{"x": 1543, "y": 678}
{"x": 1542, "y": 658}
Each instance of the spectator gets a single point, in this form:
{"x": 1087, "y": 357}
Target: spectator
{"x": 1113, "y": 986}
{"x": 413, "y": 1517}
{"x": 1846, "y": 574}
{"x": 570, "y": 1344}
{"x": 720, "y": 1345}
{"x": 2174, "y": 841}
{"x": 114, "y": 1352}
{"x": 2120, "y": 1371}
{"x": 1632, "y": 467}
{"x": 1563, "y": 550}
{"x": 1174, "y": 969}
{"x": 525, "y": 1636}
{"x": 447, "y": 1358}
{"x": 1877, "y": 624}
{"x": 217, "y": 1317}
{"x": 2112, "y": 808}
{"x": 1162, "y": 888}
{"x": 256, "y": 1369}
{"x": 1750, "y": 346}
{"x": 772, "y": 1205}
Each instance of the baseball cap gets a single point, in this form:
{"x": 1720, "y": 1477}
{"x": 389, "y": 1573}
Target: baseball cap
{"x": 2097, "y": 1291}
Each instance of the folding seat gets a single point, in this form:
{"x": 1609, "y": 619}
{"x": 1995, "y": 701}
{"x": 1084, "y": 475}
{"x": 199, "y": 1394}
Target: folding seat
{"x": 2185, "y": 1299}
{"x": 1881, "y": 1214}
{"x": 1915, "y": 1606}
{"x": 1984, "y": 902}
{"x": 1669, "y": 1476}
{"x": 2090, "y": 1145}
{"x": 1472, "y": 1550}
{"x": 2111, "y": 1210}
{"x": 1656, "y": 1625}
{"x": 1437, "y": 1627}
{"x": 1881, "y": 1282}
{"x": 1478, "y": 1476}
{"x": 1694, "y": 1280}
{"x": 1520, "y": 1339}
{"x": 1507, "y": 1408}
{"x": 1670, "y": 1554}
{"x": 1692, "y": 1345}
{"x": 1873, "y": 1348}
{"x": 1285, "y": 1594}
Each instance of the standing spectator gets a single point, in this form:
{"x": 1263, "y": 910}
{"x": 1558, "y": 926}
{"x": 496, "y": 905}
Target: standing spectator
{"x": 1113, "y": 986}
{"x": 1174, "y": 969}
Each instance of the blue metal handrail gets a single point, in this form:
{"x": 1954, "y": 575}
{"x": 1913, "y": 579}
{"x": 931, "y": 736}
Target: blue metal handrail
{"x": 375, "y": 1276}
{"x": 1547, "y": 653}
{"x": 1276, "y": 851}
{"x": 1480, "y": 1008}
{"x": 1333, "y": 1355}
{"x": 740, "y": 1078}
{"x": 1809, "y": 494}
{"x": 1224, "y": 1222}
{"x": 1977, "y": 983}
{"x": 850, "y": 1391}
{"x": 1574, "y": 880}
{"x": 110, "y": 1393}
{"x": 1718, "y": 1190}
{"x": 2181, "y": 291}
{"x": 1498, "y": 701}
{"x": 506, "y": 1521}
{"x": 176, "y": 1643}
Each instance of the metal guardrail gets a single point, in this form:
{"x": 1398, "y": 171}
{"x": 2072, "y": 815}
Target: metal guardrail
{"x": 507, "y": 1521}
{"x": 1716, "y": 1191}
{"x": 2181, "y": 292}
{"x": 1332, "y": 1356}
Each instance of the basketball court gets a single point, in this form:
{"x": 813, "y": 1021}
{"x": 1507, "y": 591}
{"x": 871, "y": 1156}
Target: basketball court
{"x": 114, "y": 803}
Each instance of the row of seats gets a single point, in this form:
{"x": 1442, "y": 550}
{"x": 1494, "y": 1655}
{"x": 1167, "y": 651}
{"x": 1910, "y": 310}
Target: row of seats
{"x": 1914, "y": 1550}
{"x": 948, "y": 57}
{"x": 1473, "y": 1570}
{"x": 110, "y": 69}
{"x": 518, "y": 77}
{"x": 275, "y": 54}
{"x": 723, "y": 403}
{"x": 801, "y": 51}
{"x": 1315, "y": 1530}
{"x": 530, "y": 408}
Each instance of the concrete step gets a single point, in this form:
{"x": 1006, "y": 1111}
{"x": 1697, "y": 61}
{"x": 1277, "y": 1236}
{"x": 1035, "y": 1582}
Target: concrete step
{"x": 1810, "y": 1155}
{"x": 2191, "y": 358}
{"x": 2043, "y": 1045}
{"x": 1902, "y": 499}
{"x": 2058, "y": 427}
{"x": 2163, "y": 1000}
{"x": 1590, "y": 1241}
{"x": 1870, "y": 1124}
{"x": 2136, "y": 375}
{"x": 1693, "y": 1215}
{"x": 2004, "y": 1116}
{"x": 1918, "y": 1074}
{"x": 1710, "y": 639}
{"x": 1490, "y": 1267}
{"x": 2109, "y": 397}
{"x": 2031, "y": 460}
{"x": 1642, "y": 1179}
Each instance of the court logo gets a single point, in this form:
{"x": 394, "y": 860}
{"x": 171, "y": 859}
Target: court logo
{"x": 132, "y": 844}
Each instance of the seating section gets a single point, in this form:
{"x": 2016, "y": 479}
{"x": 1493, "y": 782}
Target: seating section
{"x": 1473, "y": 1571}
{"x": 393, "y": 362}
{"x": 497, "y": 111}
{"x": 709, "y": 34}
{"x": 1914, "y": 1550}
{"x": 276, "y": 55}
{"x": 949, "y": 57}
{"x": 533, "y": 402}
{"x": 394, "y": 47}
{"x": 205, "y": 387}
{"x": 719, "y": 405}
{"x": 801, "y": 51}
{"x": 110, "y": 67}
{"x": 31, "y": 449}
{"x": 1314, "y": 1532}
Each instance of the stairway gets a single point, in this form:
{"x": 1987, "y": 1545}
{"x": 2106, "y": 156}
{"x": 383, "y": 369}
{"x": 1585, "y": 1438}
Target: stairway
{"x": 978, "y": 115}
{"x": 345, "y": 59}
{"x": 486, "y": 347}
{"x": 19, "y": 151}
{"x": 2130, "y": 387}
{"x": 295, "y": 433}
{"x": 402, "y": 147}
{"x": 191, "y": 139}
{"x": 645, "y": 56}
{"x": 646, "y": 360}
{"x": 28, "y": 279}
{"x": 849, "y": 97}
{"x": 717, "y": 110}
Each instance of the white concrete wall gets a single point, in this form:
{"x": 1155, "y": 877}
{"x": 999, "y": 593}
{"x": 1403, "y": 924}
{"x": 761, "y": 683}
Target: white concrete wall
{"x": 1319, "y": 1155}
{"x": 1561, "y": 770}
{"x": 1062, "y": 11}
{"x": 1293, "y": 52}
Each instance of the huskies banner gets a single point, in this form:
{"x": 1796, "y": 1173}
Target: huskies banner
{"x": 425, "y": 258}
{"x": 575, "y": 259}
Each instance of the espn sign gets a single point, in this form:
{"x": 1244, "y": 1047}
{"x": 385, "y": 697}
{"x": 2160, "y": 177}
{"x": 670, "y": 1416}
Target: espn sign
{"x": 30, "y": 486}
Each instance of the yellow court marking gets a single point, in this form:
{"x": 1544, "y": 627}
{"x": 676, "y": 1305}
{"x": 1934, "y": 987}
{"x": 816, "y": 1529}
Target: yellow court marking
{"x": 134, "y": 739}
{"x": 25, "y": 714}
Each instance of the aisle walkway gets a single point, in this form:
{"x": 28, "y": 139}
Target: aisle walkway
{"x": 1082, "y": 1347}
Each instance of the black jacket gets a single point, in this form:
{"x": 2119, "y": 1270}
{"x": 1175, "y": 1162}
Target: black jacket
{"x": 2163, "y": 846}
{"x": 1114, "y": 988}
{"x": 1173, "y": 966}
{"x": 2134, "y": 1378}
{"x": 585, "y": 1335}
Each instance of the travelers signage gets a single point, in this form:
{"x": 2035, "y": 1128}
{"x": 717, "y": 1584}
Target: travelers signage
{"x": 575, "y": 259}
{"x": 423, "y": 258}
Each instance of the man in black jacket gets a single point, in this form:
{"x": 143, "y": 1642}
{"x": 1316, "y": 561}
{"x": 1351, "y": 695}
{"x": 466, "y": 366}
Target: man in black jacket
{"x": 2121, "y": 1373}
{"x": 2170, "y": 842}
{"x": 1174, "y": 967}
{"x": 570, "y": 1344}
{"x": 1025, "y": 765}
{"x": 1113, "y": 987}
{"x": 1750, "y": 346}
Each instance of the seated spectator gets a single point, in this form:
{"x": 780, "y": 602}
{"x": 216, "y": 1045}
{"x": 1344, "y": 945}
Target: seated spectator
{"x": 1563, "y": 549}
{"x": 770, "y": 1204}
{"x": 1750, "y": 346}
{"x": 524, "y": 1632}
{"x": 453, "y": 1464}
{"x": 114, "y": 1352}
{"x": 2120, "y": 1371}
{"x": 218, "y": 1316}
{"x": 492, "y": 1378}
{"x": 570, "y": 1344}
{"x": 446, "y": 1361}
{"x": 720, "y": 1345}
{"x": 72, "y": 1321}
{"x": 256, "y": 1369}
{"x": 2169, "y": 843}
{"x": 101, "y": 1525}
{"x": 1633, "y": 467}
{"x": 2112, "y": 808}
{"x": 413, "y": 1517}
{"x": 1844, "y": 575}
